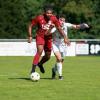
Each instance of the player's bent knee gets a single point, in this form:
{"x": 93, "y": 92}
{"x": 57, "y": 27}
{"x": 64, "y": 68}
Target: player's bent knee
{"x": 62, "y": 60}
{"x": 47, "y": 57}
{"x": 59, "y": 60}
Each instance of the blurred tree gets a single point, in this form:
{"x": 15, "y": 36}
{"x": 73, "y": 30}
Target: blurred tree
{"x": 16, "y": 14}
{"x": 79, "y": 11}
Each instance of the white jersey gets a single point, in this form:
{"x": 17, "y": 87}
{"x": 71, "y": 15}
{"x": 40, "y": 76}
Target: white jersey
{"x": 57, "y": 37}
{"x": 58, "y": 41}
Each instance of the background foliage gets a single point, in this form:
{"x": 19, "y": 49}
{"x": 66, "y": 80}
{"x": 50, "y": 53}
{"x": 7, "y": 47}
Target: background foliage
{"x": 15, "y": 16}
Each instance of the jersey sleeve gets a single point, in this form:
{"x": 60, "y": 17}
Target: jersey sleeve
{"x": 69, "y": 25}
{"x": 34, "y": 21}
{"x": 55, "y": 21}
{"x": 53, "y": 30}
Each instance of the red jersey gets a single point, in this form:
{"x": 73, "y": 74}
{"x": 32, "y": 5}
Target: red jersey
{"x": 43, "y": 25}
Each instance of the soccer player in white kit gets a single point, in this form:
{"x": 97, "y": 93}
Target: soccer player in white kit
{"x": 59, "y": 46}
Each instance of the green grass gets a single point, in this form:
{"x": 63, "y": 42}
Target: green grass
{"x": 81, "y": 80}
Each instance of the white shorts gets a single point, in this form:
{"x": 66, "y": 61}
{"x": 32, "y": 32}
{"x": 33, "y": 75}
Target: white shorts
{"x": 60, "y": 48}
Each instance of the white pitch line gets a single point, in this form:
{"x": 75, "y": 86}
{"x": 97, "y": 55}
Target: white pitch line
{"x": 13, "y": 74}
{"x": 3, "y": 75}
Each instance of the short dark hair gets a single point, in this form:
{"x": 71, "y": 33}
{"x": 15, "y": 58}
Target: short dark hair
{"x": 48, "y": 7}
{"x": 62, "y": 16}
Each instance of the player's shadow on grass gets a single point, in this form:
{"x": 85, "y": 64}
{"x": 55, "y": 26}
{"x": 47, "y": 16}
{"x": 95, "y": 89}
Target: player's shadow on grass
{"x": 28, "y": 79}
{"x": 46, "y": 78}
{"x": 20, "y": 79}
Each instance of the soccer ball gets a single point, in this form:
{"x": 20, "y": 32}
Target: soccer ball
{"x": 35, "y": 76}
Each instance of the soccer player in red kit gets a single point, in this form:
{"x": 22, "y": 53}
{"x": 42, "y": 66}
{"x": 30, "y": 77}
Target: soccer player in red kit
{"x": 44, "y": 23}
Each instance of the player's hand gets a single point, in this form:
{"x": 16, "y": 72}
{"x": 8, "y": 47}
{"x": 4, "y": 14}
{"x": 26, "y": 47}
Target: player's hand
{"x": 66, "y": 41}
{"x": 51, "y": 26}
{"x": 29, "y": 39}
{"x": 48, "y": 32}
{"x": 84, "y": 26}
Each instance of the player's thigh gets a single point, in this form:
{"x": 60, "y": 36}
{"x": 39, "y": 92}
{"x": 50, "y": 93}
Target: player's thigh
{"x": 40, "y": 48}
{"x": 47, "y": 54}
{"x": 48, "y": 45}
{"x": 55, "y": 48}
{"x": 63, "y": 50}
{"x": 56, "y": 51}
{"x": 40, "y": 44}
{"x": 58, "y": 55}
{"x": 40, "y": 40}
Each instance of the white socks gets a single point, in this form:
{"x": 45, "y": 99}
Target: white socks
{"x": 59, "y": 68}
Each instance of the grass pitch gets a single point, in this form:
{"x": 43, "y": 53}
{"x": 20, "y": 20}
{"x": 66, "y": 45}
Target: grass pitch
{"x": 81, "y": 79}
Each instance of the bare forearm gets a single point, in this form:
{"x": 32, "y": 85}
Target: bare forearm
{"x": 48, "y": 33}
{"x": 30, "y": 31}
{"x": 30, "y": 34}
{"x": 61, "y": 31}
{"x": 66, "y": 40}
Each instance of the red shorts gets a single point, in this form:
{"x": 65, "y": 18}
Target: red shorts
{"x": 47, "y": 42}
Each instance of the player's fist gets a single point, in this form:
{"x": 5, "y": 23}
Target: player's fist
{"x": 84, "y": 26}
{"x": 29, "y": 39}
{"x": 66, "y": 41}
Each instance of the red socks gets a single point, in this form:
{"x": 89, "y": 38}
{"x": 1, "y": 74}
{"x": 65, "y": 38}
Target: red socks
{"x": 36, "y": 59}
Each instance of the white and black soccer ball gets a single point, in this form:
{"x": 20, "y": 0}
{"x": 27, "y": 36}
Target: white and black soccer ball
{"x": 35, "y": 76}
